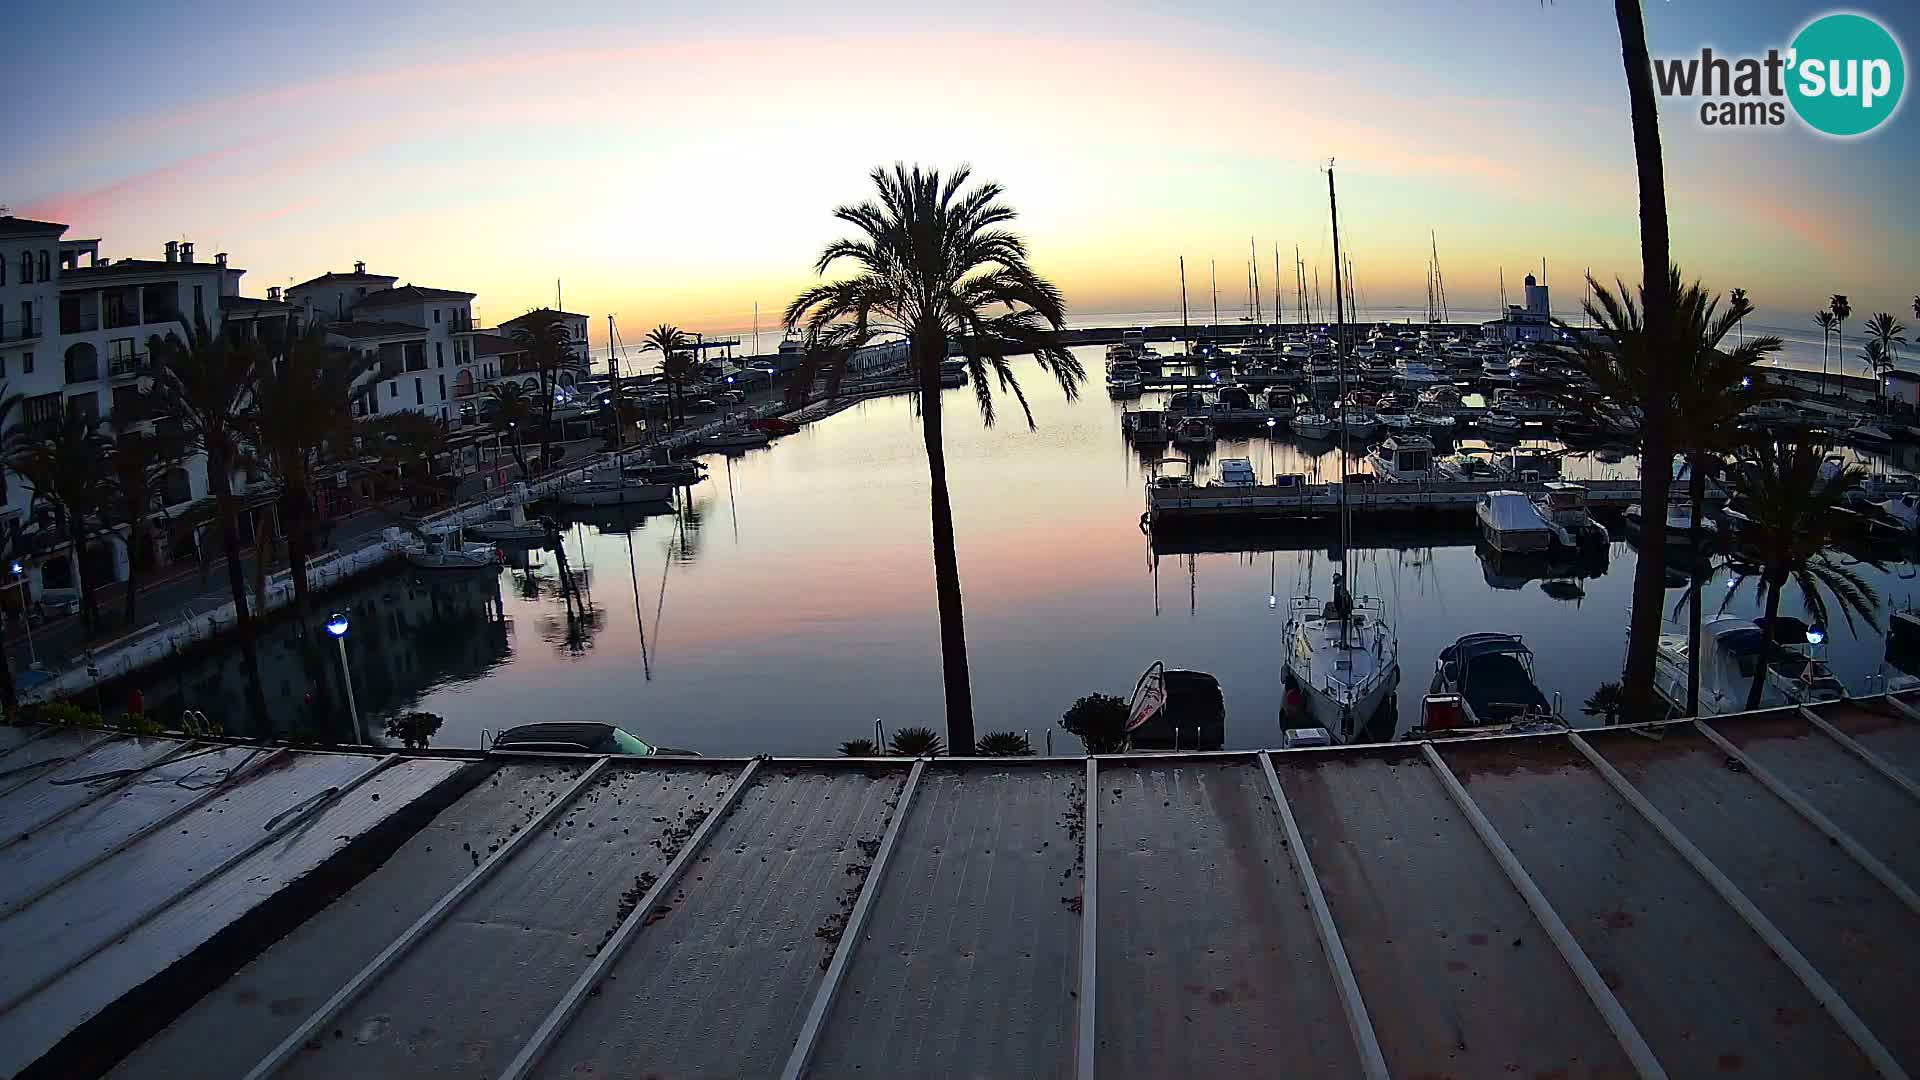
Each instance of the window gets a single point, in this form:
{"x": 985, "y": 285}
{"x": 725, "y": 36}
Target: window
{"x": 26, "y": 363}
{"x": 436, "y": 316}
{"x": 26, "y": 267}
{"x": 393, "y": 389}
{"x": 419, "y": 393}
{"x": 439, "y": 355}
{"x": 26, "y": 318}
{"x": 443, "y": 388}
{"x": 3, "y": 271}
{"x": 85, "y": 406}
{"x": 198, "y": 311}
{"x": 46, "y": 265}
{"x": 42, "y": 409}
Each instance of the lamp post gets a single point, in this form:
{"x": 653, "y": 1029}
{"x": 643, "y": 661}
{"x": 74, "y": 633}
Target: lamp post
{"x": 337, "y": 626}
{"x": 26, "y": 616}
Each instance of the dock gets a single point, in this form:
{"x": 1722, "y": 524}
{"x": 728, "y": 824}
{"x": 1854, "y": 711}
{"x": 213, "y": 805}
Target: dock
{"x": 1308, "y": 503}
{"x": 1654, "y": 900}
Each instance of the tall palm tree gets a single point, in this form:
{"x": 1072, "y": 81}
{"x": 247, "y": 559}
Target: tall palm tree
{"x": 1792, "y": 510}
{"x": 1656, "y": 476}
{"x": 1888, "y": 334}
{"x": 549, "y": 348}
{"x": 60, "y": 462}
{"x": 673, "y": 346}
{"x": 509, "y": 411}
{"x": 138, "y": 462}
{"x": 1826, "y": 322}
{"x": 1841, "y": 309}
{"x": 1737, "y": 298}
{"x": 937, "y": 266}
{"x": 205, "y": 384}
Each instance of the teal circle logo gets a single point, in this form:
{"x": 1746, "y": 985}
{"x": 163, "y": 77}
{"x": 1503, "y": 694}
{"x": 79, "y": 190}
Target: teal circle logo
{"x": 1848, "y": 74}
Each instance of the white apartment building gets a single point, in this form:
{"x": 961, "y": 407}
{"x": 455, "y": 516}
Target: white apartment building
{"x": 418, "y": 338}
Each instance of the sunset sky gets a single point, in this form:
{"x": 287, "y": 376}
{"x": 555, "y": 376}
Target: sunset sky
{"x": 680, "y": 164}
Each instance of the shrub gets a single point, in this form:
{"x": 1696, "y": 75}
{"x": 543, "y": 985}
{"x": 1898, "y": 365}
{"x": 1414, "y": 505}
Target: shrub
{"x": 860, "y": 748}
{"x": 917, "y": 742}
{"x": 63, "y": 714}
{"x": 1100, "y": 722}
{"x": 1004, "y": 744}
{"x": 414, "y": 729}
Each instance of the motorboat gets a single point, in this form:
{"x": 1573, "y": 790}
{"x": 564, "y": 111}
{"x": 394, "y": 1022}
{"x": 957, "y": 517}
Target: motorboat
{"x": 1176, "y": 710}
{"x": 607, "y": 487}
{"x": 1484, "y": 684}
{"x": 1124, "y": 380}
{"x": 735, "y": 439}
{"x": 1407, "y": 458}
{"x": 1193, "y": 431}
{"x": 1867, "y": 435}
{"x": 1340, "y": 665}
{"x": 1471, "y": 465}
{"x": 1147, "y": 427}
{"x": 1903, "y": 512}
{"x": 1441, "y": 396}
{"x": 774, "y": 425}
{"x": 1564, "y": 506}
{"x": 1501, "y": 424}
{"x": 1510, "y": 522}
{"x": 1393, "y": 418}
{"x": 1358, "y": 424}
{"x": 1171, "y": 474}
{"x": 1679, "y": 522}
{"x": 1730, "y": 658}
{"x": 509, "y": 526}
{"x": 1279, "y": 403}
{"x": 1416, "y": 374}
{"x": 677, "y": 473}
{"x": 1235, "y": 472}
{"x": 1312, "y": 425}
{"x": 1435, "y": 425}
{"x": 442, "y": 550}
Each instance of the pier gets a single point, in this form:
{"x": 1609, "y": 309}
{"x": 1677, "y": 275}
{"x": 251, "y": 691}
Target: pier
{"x": 1311, "y": 503}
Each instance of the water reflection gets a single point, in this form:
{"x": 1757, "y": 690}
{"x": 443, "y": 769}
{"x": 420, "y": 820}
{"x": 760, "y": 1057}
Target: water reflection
{"x": 784, "y": 603}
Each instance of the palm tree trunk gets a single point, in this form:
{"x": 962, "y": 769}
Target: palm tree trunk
{"x": 946, "y": 564}
{"x": 9, "y": 694}
{"x": 220, "y": 479}
{"x": 89, "y": 609}
{"x": 1697, "y": 495}
{"x": 1826, "y": 339}
{"x": 546, "y": 421}
{"x": 1656, "y": 461}
{"x": 296, "y": 516}
{"x": 135, "y": 534}
{"x": 1766, "y": 646}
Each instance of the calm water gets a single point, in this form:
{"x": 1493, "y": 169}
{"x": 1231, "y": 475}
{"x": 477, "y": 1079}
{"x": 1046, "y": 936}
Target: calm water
{"x": 792, "y": 603}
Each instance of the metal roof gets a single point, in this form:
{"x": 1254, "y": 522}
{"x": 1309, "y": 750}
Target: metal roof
{"x": 1684, "y": 899}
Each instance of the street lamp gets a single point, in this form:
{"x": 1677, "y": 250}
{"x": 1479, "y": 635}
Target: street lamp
{"x": 337, "y": 626}
{"x": 26, "y": 616}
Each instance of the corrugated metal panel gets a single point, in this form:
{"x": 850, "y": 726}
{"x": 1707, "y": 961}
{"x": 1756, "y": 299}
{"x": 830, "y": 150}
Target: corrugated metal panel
{"x": 236, "y": 1025}
{"x": 95, "y": 907}
{"x": 1868, "y": 806}
{"x": 1209, "y": 963}
{"x": 34, "y": 758}
{"x": 971, "y": 955}
{"x": 478, "y": 984}
{"x": 1860, "y": 936}
{"x": 737, "y": 955}
{"x": 37, "y": 1024}
{"x": 53, "y": 790}
{"x": 12, "y": 738}
{"x": 1458, "y": 976}
{"x": 86, "y": 834}
{"x": 1700, "y": 985}
{"x": 1880, "y": 729}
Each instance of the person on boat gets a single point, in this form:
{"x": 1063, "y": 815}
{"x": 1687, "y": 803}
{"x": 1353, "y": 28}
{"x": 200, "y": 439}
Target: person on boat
{"x": 1342, "y": 599}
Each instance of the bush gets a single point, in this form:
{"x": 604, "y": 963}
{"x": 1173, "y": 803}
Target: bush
{"x": 414, "y": 729}
{"x": 917, "y": 742}
{"x": 1004, "y": 744}
{"x": 860, "y": 748}
{"x": 63, "y": 714}
{"x": 1100, "y": 723}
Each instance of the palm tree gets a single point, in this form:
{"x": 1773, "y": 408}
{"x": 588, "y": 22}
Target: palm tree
{"x": 549, "y": 348}
{"x": 916, "y": 742}
{"x": 1604, "y": 702}
{"x": 1792, "y": 508}
{"x": 938, "y": 268}
{"x": 60, "y": 462}
{"x": 1888, "y": 334}
{"x": 508, "y": 409}
{"x": 138, "y": 462}
{"x": 860, "y": 748}
{"x": 206, "y": 385}
{"x": 1826, "y": 322}
{"x": 675, "y": 363}
{"x": 1841, "y": 309}
{"x": 1737, "y": 298}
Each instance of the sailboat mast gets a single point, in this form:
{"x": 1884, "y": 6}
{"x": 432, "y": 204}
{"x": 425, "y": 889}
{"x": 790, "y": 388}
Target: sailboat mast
{"x": 1186, "y": 339}
{"x": 1213, "y": 272}
{"x": 1340, "y": 352}
{"x": 1278, "y": 315}
{"x": 1253, "y": 262}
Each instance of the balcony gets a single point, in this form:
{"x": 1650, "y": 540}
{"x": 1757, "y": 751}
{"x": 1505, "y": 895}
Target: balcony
{"x": 128, "y": 366}
{"x": 19, "y": 329}
{"x": 79, "y": 322}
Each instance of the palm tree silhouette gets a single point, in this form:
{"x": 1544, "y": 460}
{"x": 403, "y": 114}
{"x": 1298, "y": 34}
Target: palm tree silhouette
{"x": 60, "y": 461}
{"x": 672, "y": 344}
{"x": 1737, "y": 298}
{"x": 1841, "y": 309}
{"x": 509, "y": 410}
{"x": 1826, "y": 322}
{"x": 1885, "y": 335}
{"x": 938, "y": 268}
{"x": 549, "y": 348}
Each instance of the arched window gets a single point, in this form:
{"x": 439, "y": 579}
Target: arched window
{"x": 46, "y": 265}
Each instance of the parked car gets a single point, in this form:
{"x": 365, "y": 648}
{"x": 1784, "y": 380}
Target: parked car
{"x": 703, "y": 405}
{"x": 577, "y": 737}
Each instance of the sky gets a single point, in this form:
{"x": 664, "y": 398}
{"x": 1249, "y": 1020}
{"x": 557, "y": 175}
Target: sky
{"x": 680, "y": 163}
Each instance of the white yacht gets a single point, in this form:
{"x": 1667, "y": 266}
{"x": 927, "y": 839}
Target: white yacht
{"x": 1730, "y": 657}
{"x": 1393, "y": 417}
{"x": 1433, "y": 423}
{"x": 1406, "y": 458}
{"x": 1235, "y": 472}
{"x": 439, "y": 550}
{"x": 1679, "y": 522}
{"x": 1501, "y": 424}
{"x": 1124, "y": 379}
{"x": 1564, "y": 507}
{"x": 1471, "y": 465}
{"x": 1359, "y": 424}
{"x": 1312, "y": 425}
{"x": 1193, "y": 431}
{"x": 1417, "y": 374}
{"x": 1903, "y": 512}
{"x": 1510, "y": 522}
{"x": 509, "y": 527}
{"x": 610, "y": 487}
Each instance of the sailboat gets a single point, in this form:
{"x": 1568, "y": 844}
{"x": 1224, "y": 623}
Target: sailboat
{"x": 1340, "y": 660}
